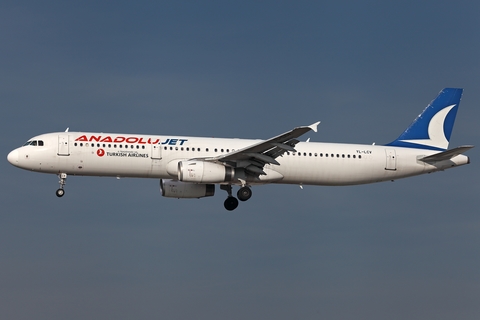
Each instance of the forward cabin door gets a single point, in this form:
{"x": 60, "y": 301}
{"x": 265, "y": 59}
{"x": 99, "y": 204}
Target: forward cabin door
{"x": 63, "y": 145}
{"x": 391, "y": 159}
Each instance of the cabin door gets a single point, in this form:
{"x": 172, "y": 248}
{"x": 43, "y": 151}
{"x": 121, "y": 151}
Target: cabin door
{"x": 63, "y": 145}
{"x": 391, "y": 163}
{"x": 156, "y": 151}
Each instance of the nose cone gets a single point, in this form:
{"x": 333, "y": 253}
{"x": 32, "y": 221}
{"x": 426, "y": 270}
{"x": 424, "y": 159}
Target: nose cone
{"x": 13, "y": 157}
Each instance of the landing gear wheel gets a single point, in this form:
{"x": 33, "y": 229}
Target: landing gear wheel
{"x": 231, "y": 203}
{"x": 60, "y": 192}
{"x": 244, "y": 193}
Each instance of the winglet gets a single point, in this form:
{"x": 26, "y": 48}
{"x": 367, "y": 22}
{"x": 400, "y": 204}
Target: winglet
{"x": 314, "y": 126}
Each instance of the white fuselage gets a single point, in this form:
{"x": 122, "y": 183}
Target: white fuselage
{"x": 152, "y": 156}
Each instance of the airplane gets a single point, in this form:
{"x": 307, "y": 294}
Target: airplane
{"x": 190, "y": 167}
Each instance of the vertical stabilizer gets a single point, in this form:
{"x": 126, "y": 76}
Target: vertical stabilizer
{"x": 433, "y": 127}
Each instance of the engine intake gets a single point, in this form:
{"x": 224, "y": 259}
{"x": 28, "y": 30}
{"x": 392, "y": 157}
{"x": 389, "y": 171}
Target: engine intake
{"x": 179, "y": 189}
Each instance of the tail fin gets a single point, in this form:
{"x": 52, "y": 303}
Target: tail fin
{"x": 433, "y": 127}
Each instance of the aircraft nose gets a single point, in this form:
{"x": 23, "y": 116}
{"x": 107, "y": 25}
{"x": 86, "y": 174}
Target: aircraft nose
{"x": 13, "y": 157}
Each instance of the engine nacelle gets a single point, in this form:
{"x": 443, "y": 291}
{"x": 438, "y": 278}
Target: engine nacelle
{"x": 179, "y": 189}
{"x": 204, "y": 172}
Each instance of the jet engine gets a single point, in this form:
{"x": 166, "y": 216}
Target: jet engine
{"x": 179, "y": 189}
{"x": 204, "y": 172}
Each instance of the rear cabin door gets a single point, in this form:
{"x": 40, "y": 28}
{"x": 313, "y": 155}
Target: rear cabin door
{"x": 391, "y": 159}
{"x": 63, "y": 145}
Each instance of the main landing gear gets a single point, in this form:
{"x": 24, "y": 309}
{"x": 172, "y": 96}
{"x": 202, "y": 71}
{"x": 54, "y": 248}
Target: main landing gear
{"x": 243, "y": 194}
{"x": 60, "y": 192}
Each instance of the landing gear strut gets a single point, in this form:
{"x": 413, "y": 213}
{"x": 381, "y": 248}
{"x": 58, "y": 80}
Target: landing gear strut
{"x": 243, "y": 194}
{"x": 60, "y": 192}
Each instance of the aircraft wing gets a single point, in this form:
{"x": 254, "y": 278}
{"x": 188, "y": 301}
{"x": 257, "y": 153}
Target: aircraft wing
{"x": 446, "y": 155}
{"x": 254, "y": 157}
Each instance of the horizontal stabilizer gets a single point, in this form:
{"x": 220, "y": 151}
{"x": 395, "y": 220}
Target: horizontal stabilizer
{"x": 446, "y": 155}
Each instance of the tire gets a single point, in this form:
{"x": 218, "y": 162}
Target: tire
{"x": 244, "y": 193}
{"x": 231, "y": 203}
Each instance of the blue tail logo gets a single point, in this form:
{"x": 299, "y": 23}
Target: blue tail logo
{"x": 433, "y": 127}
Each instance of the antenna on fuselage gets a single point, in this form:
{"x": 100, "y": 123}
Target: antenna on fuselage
{"x": 67, "y": 130}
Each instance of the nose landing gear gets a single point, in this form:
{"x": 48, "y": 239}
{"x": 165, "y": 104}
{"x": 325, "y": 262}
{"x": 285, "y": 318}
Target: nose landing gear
{"x": 243, "y": 194}
{"x": 60, "y": 192}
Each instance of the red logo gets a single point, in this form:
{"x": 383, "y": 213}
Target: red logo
{"x": 100, "y": 152}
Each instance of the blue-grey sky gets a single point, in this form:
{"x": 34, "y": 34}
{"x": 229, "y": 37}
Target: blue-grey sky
{"x": 116, "y": 249}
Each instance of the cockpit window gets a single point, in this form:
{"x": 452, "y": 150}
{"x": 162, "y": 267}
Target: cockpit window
{"x": 34, "y": 143}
